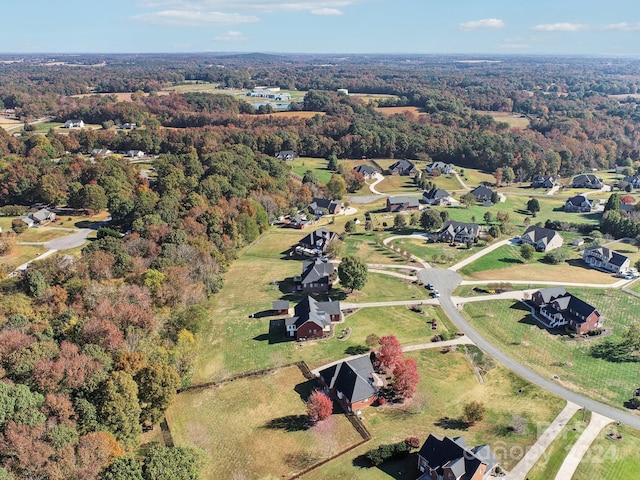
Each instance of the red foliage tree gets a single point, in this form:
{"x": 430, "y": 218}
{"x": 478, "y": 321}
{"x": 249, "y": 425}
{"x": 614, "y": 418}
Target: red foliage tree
{"x": 406, "y": 378}
{"x": 319, "y": 407}
{"x": 390, "y": 352}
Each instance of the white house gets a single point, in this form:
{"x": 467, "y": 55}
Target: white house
{"x": 73, "y": 124}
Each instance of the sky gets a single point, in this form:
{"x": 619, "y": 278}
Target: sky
{"x": 580, "y": 27}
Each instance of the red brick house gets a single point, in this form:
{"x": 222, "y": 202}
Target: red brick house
{"x": 352, "y": 383}
{"x": 566, "y": 310}
{"x": 402, "y": 204}
{"x": 451, "y": 459}
{"x": 312, "y": 319}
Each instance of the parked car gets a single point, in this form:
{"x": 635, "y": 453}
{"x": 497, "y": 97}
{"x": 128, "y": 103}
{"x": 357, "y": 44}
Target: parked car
{"x": 435, "y": 294}
{"x": 430, "y": 286}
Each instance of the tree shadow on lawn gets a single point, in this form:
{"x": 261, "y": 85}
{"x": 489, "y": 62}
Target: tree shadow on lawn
{"x": 288, "y": 423}
{"x": 449, "y": 423}
{"x": 404, "y": 468}
{"x": 511, "y": 260}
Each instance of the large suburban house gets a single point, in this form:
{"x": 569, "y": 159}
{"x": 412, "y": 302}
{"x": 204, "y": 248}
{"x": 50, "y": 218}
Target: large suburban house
{"x": 323, "y": 206}
{"x": 587, "y": 181}
{"x": 353, "y": 383}
{"x": 543, "y": 181}
{"x": 402, "y": 204}
{"x": 436, "y": 196}
{"x": 316, "y": 243}
{"x": 443, "y": 168}
{"x": 318, "y": 275}
{"x": 312, "y": 319}
{"x": 41, "y": 217}
{"x": 579, "y": 203}
{"x": 367, "y": 171}
{"x": 482, "y": 193}
{"x": 74, "y": 123}
{"x": 561, "y": 309}
{"x": 286, "y": 155}
{"x": 101, "y": 151}
{"x": 633, "y": 180}
{"x": 403, "y": 167}
{"x": 543, "y": 239}
{"x": 458, "y": 232}
{"x": 272, "y": 93}
{"x": 451, "y": 459}
{"x": 605, "y": 259}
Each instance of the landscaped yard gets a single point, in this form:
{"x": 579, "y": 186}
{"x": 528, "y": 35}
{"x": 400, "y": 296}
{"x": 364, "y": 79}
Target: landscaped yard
{"x": 255, "y": 428}
{"x": 441, "y": 255}
{"x": 547, "y": 467}
{"x": 506, "y": 263}
{"x": 612, "y": 459}
{"x": 511, "y": 327}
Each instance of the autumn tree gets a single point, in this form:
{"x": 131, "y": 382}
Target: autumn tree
{"x": 405, "y": 378}
{"x": 389, "y": 354}
{"x": 473, "y": 412}
{"x": 336, "y": 187}
{"x": 18, "y": 226}
{"x": 319, "y": 407}
{"x": 157, "y": 387}
{"x": 353, "y": 273}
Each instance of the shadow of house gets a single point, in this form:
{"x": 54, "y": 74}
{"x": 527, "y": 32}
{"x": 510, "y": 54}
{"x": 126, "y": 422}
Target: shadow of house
{"x": 277, "y": 332}
{"x": 304, "y": 389}
{"x": 401, "y": 469}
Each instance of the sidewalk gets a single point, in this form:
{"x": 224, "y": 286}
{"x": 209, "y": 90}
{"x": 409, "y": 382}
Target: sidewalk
{"x": 534, "y": 453}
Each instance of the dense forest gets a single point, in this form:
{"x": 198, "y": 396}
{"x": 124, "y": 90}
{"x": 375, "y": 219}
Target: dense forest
{"x": 94, "y": 349}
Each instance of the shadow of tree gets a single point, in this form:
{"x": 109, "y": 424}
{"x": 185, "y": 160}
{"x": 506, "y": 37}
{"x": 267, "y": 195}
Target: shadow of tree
{"x": 451, "y": 423}
{"x": 288, "y": 423}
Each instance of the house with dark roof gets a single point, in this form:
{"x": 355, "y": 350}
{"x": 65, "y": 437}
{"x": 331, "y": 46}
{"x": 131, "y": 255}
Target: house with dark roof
{"x": 324, "y": 206}
{"x": 543, "y": 239}
{"x": 567, "y": 310}
{"x": 280, "y": 307}
{"x": 312, "y": 319}
{"x": 316, "y": 243}
{"x": 402, "y": 204}
{"x": 298, "y": 222}
{"x": 403, "y": 167}
{"x": 579, "y": 203}
{"x": 458, "y": 232}
{"x": 482, "y": 193}
{"x": 546, "y": 295}
{"x": 604, "y": 259}
{"x": 436, "y": 196}
{"x": 317, "y": 276}
{"x": 587, "y": 181}
{"x": 451, "y": 459}
{"x": 353, "y": 383}
{"x": 367, "y": 171}
{"x": 634, "y": 180}
{"x": 286, "y": 155}
{"x": 543, "y": 181}
{"x": 443, "y": 168}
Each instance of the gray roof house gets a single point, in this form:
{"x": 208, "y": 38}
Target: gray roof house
{"x": 543, "y": 239}
{"x": 443, "y": 168}
{"x": 322, "y": 206}
{"x": 482, "y": 193}
{"x": 312, "y": 319}
{"x": 401, "y": 203}
{"x": 318, "y": 240}
{"x": 451, "y": 459}
{"x": 604, "y": 259}
{"x": 73, "y": 123}
{"x": 317, "y": 276}
{"x": 587, "y": 181}
{"x": 352, "y": 382}
{"x": 543, "y": 181}
{"x": 367, "y": 171}
{"x": 633, "y": 180}
{"x": 458, "y": 232}
{"x": 286, "y": 155}
{"x": 403, "y": 167}
{"x": 435, "y": 196}
{"x": 579, "y": 203}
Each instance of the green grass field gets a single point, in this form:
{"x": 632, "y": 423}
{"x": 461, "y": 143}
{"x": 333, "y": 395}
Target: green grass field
{"x": 547, "y": 467}
{"x": 510, "y": 326}
{"x": 440, "y": 255}
{"x": 612, "y": 459}
{"x": 317, "y": 165}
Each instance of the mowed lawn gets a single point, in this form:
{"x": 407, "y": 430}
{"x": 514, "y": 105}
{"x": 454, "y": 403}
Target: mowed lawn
{"x": 612, "y": 459}
{"x": 437, "y": 254}
{"x": 547, "y": 467}
{"x": 318, "y": 166}
{"x": 447, "y": 382}
{"x": 232, "y": 342}
{"x": 506, "y": 263}
{"x": 510, "y": 326}
{"x": 255, "y": 428}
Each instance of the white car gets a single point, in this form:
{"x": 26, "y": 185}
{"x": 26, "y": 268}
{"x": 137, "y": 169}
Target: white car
{"x": 435, "y": 294}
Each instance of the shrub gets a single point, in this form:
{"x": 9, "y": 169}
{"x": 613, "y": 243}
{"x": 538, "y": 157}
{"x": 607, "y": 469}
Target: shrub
{"x": 392, "y": 451}
{"x": 412, "y": 442}
{"x": 18, "y": 226}
{"x": 473, "y": 412}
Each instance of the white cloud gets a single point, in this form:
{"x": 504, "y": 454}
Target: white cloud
{"x": 622, "y": 27}
{"x": 560, "y": 27}
{"x": 230, "y": 37}
{"x": 485, "y": 23}
{"x": 189, "y": 18}
{"x": 326, "y": 11}
{"x": 256, "y": 6}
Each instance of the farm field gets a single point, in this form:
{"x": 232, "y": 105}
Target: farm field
{"x": 400, "y": 110}
{"x": 514, "y": 120}
{"x": 510, "y": 326}
{"x": 505, "y": 263}
{"x": 612, "y": 459}
{"x": 547, "y": 467}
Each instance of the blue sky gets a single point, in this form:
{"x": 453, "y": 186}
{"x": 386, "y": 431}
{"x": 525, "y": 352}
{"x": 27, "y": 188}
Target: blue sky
{"x": 323, "y": 26}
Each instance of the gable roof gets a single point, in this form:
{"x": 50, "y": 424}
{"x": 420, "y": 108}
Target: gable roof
{"x": 435, "y": 194}
{"x": 316, "y": 271}
{"x": 453, "y": 453}
{"x": 41, "y": 215}
{"x": 354, "y": 378}
{"x": 586, "y": 179}
{"x": 365, "y": 169}
{"x": 482, "y": 191}
{"x": 402, "y": 200}
{"x": 323, "y": 204}
{"x": 309, "y": 310}
{"x": 456, "y": 228}
{"x": 550, "y": 293}
{"x": 578, "y": 200}
{"x": 571, "y": 306}
{"x": 612, "y": 257}
{"x": 402, "y": 166}
{"x": 536, "y": 234}
{"x": 319, "y": 239}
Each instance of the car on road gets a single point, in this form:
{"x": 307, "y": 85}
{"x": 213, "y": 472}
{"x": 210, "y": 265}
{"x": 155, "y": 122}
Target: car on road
{"x": 430, "y": 286}
{"x": 435, "y": 294}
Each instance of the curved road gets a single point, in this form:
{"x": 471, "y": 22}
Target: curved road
{"x": 446, "y": 281}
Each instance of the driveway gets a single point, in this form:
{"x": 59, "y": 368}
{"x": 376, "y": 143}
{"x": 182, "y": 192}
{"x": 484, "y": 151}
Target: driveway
{"x": 481, "y": 253}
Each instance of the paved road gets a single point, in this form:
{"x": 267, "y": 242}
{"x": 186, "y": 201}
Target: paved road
{"x": 479, "y": 254}
{"x": 534, "y": 453}
{"x": 572, "y": 460}
{"x": 446, "y": 281}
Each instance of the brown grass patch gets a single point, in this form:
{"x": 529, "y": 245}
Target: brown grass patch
{"x": 541, "y": 272}
{"x": 400, "y": 110}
